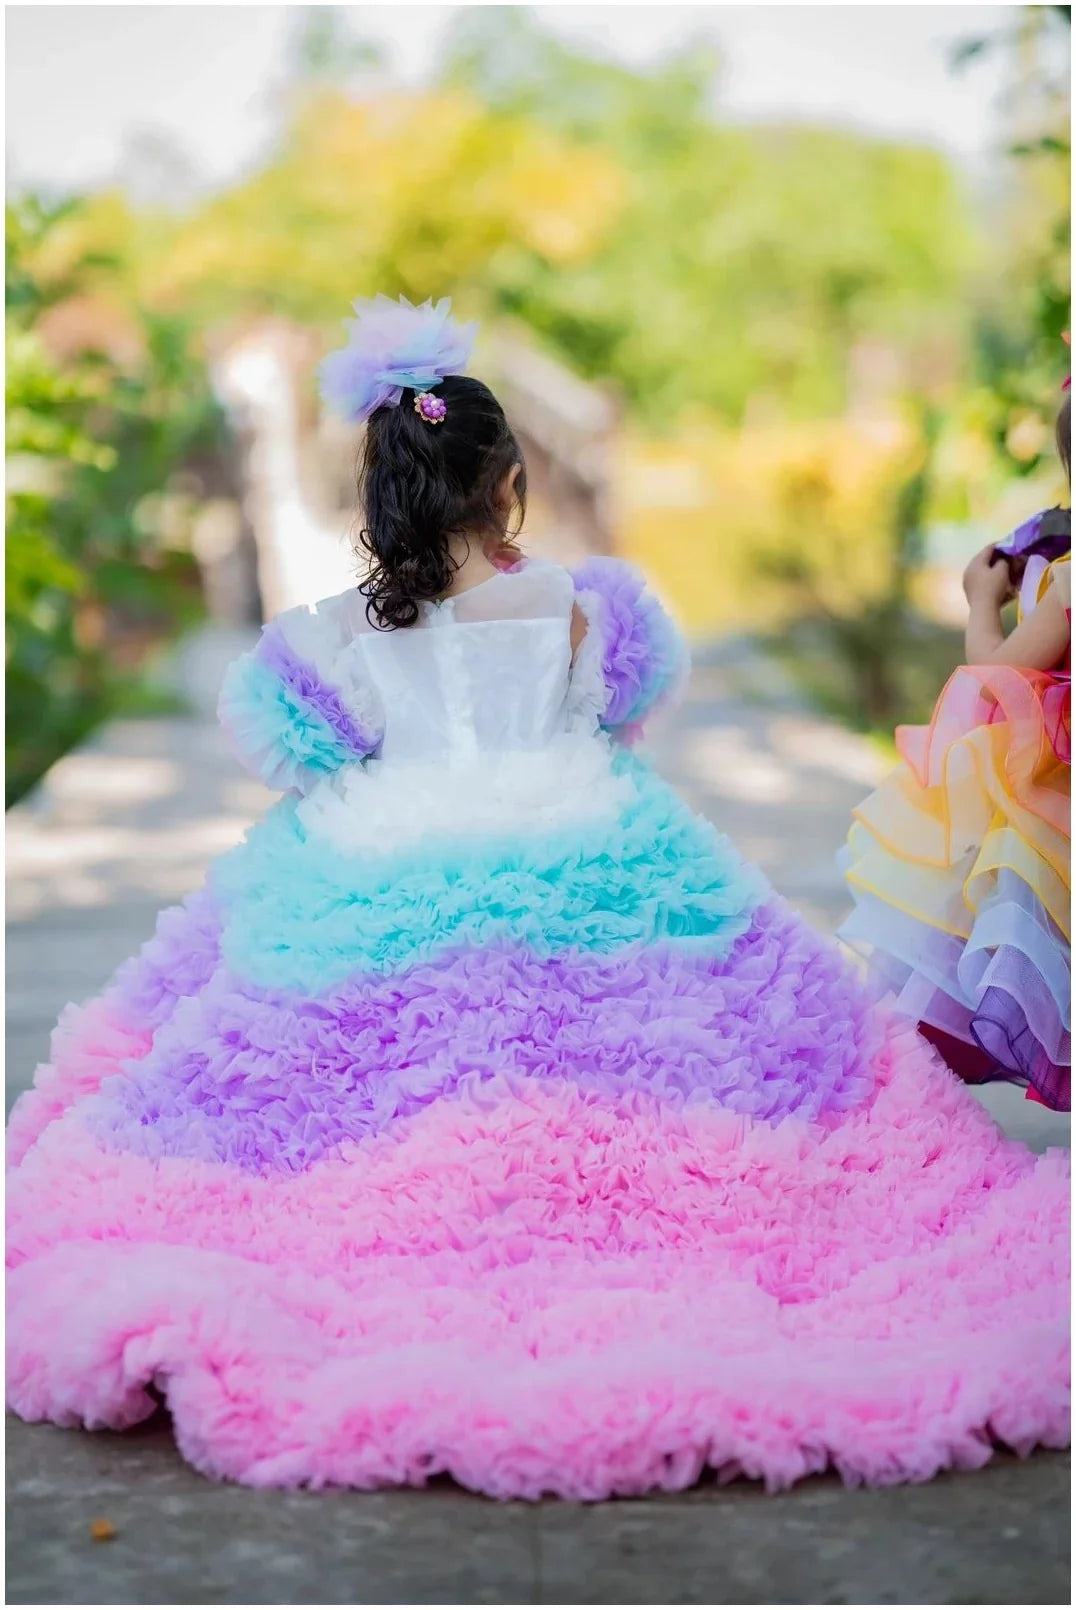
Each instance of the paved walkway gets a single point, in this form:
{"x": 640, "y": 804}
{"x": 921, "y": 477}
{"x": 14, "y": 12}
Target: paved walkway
{"x": 998, "y": 1536}
{"x": 128, "y": 825}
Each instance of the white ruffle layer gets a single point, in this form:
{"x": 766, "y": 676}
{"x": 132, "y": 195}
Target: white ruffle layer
{"x": 390, "y": 805}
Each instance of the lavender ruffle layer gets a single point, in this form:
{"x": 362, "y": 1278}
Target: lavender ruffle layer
{"x": 277, "y": 655}
{"x": 644, "y": 657}
{"x": 1005, "y": 990}
{"x": 267, "y": 1080}
{"x": 177, "y": 963}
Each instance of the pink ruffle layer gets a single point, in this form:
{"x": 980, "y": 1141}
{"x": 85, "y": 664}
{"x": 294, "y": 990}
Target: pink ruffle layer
{"x": 538, "y": 1291}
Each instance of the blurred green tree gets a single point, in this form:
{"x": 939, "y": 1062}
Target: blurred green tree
{"x": 102, "y": 408}
{"x": 746, "y": 263}
{"x": 324, "y": 50}
{"x": 693, "y": 265}
{"x": 757, "y": 295}
{"x": 1026, "y": 306}
{"x": 401, "y": 193}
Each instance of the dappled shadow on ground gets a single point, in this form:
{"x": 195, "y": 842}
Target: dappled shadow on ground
{"x": 780, "y": 781}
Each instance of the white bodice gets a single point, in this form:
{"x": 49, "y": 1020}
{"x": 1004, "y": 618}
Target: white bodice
{"x": 485, "y": 717}
{"x": 485, "y": 672}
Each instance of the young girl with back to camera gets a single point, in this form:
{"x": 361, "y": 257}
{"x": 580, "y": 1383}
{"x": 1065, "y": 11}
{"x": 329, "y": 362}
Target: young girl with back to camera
{"x": 960, "y": 863}
{"x": 485, "y": 1113}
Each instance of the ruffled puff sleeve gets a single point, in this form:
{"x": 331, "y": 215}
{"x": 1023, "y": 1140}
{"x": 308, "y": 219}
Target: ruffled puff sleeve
{"x": 294, "y": 707}
{"x": 634, "y": 651}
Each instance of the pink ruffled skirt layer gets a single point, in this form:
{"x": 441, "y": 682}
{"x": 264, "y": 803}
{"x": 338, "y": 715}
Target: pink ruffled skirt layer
{"x": 537, "y": 1294}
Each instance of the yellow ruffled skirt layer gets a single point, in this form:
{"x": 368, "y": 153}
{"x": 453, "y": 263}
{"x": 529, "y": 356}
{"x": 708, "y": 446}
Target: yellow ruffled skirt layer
{"x": 960, "y": 869}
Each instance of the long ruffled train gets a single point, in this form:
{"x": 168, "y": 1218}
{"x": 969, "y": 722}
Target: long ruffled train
{"x": 573, "y": 1164}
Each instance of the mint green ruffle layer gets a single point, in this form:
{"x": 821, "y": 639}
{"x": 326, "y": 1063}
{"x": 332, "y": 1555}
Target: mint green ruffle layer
{"x": 301, "y": 915}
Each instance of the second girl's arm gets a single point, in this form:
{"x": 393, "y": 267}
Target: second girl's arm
{"x": 1039, "y": 642}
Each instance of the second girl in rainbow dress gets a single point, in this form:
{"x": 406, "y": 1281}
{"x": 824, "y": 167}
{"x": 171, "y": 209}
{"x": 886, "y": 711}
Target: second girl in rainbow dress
{"x": 960, "y": 863}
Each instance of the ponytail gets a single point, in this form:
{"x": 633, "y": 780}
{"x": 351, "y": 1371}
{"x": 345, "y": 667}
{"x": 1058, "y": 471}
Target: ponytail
{"x": 421, "y": 484}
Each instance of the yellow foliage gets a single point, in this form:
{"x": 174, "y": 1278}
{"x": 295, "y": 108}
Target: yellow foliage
{"x": 88, "y": 245}
{"x": 408, "y": 193}
{"x": 720, "y": 517}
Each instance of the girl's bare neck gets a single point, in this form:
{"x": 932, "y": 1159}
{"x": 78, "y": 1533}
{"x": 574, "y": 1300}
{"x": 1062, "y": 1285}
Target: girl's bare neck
{"x": 474, "y": 565}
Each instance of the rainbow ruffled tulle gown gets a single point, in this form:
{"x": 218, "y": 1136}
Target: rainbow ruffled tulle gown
{"x": 486, "y": 1114}
{"x": 960, "y": 869}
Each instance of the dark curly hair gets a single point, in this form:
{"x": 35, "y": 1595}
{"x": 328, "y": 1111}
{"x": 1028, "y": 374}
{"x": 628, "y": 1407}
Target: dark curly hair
{"x": 1063, "y": 433}
{"x": 420, "y": 485}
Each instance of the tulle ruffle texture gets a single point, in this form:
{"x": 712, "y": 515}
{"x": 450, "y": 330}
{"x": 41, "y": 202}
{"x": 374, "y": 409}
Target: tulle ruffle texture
{"x": 378, "y": 810}
{"x": 390, "y": 346}
{"x": 495, "y": 1119}
{"x": 547, "y": 1215}
{"x": 301, "y": 914}
{"x": 959, "y": 865}
{"x": 537, "y": 1287}
{"x": 286, "y": 718}
{"x": 306, "y": 1075}
{"x": 645, "y": 661}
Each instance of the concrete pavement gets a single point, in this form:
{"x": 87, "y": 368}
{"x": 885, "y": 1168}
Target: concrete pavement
{"x": 998, "y": 1536}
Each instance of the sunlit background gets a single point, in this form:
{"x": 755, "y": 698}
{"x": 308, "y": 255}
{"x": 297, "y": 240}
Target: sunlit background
{"x": 774, "y": 295}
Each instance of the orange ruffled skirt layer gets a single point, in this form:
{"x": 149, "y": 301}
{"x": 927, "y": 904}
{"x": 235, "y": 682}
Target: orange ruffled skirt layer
{"x": 960, "y": 869}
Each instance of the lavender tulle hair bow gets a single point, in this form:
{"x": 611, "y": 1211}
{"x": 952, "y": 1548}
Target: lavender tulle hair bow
{"x": 392, "y": 346}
